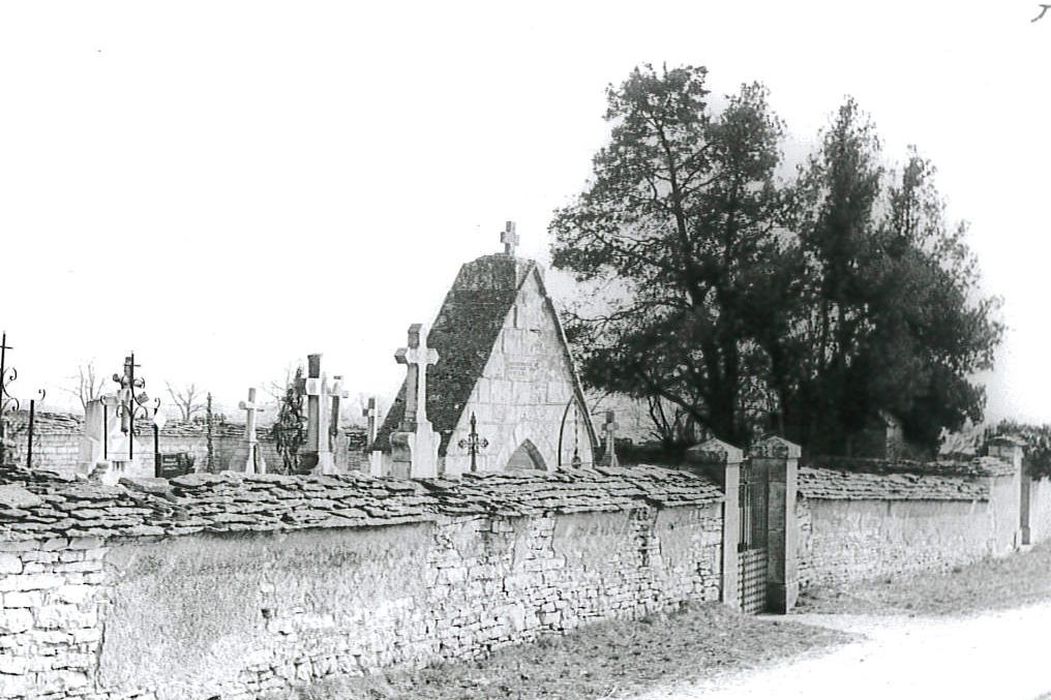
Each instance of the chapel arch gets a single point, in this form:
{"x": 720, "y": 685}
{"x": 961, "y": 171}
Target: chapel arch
{"x": 526, "y": 456}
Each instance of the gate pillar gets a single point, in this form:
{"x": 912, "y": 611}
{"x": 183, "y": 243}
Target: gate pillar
{"x": 721, "y": 462}
{"x": 780, "y": 458}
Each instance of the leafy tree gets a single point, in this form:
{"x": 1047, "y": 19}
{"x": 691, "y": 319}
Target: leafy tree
{"x": 676, "y": 238}
{"x": 289, "y": 430}
{"x": 713, "y": 286}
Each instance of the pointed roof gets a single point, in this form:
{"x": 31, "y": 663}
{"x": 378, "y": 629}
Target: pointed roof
{"x": 464, "y": 334}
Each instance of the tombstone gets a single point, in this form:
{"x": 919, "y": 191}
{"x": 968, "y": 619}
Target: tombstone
{"x": 371, "y": 415}
{"x": 249, "y": 457}
{"x": 316, "y": 457}
{"x": 104, "y": 441}
{"x": 338, "y": 394}
{"x": 609, "y": 431}
{"x": 414, "y": 446}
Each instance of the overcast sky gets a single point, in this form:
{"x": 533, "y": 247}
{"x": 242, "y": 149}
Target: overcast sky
{"x": 224, "y": 187}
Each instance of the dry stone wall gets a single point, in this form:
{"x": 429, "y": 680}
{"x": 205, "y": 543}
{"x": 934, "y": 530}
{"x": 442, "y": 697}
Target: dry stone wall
{"x": 241, "y": 587}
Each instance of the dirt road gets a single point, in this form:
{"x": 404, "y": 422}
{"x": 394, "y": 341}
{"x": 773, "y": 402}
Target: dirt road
{"x": 1000, "y": 655}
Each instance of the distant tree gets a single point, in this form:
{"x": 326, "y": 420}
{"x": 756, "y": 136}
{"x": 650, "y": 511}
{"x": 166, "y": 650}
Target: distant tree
{"x": 87, "y": 385}
{"x": 289, "y": 430}
{"x": 747, "y": 303}
{"x": 187, "y": 400}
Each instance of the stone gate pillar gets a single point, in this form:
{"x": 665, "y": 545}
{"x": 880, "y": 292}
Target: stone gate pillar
{"x": 1011, "y": 449}
{"x": 780, "y": 459}
{"x": 721, "y": 462}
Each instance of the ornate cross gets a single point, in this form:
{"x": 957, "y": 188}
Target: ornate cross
{"x": 472, "y": 443}
{"x": 130, "y": 404}
{"x": 610, "y": 431}
{"x": 415, "y": 357}
{"x": 371, "y": 414}
{"x": 7, "y": 375}
{"x": 338, "y": 394}
{"x": 509, "y": 238}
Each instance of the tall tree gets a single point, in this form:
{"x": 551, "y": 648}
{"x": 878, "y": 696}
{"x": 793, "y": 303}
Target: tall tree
{"x": 87, "y": 385}
{"x": 677, "y": 239}
{"x": 712, "y": 286}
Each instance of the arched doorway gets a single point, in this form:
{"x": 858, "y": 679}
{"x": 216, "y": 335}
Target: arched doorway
{"x": 526, "y": 457}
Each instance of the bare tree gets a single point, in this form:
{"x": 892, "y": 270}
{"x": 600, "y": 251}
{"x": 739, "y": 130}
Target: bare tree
{"x": 187, "y": 399}
{"x": 86, "y": 384}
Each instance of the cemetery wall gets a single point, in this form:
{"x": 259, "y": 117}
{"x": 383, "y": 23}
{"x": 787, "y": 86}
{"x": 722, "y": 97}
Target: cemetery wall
{"x": 1040, "y": 510}
{"x": 238, "y": 587}
{"x": 857, "y": 526}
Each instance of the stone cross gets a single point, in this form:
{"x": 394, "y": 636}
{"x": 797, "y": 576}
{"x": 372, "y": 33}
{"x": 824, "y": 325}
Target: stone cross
{"x": 610, "y": 430}
{"x": 317, "y": 455}
{"x": 415, "y": 357}
{"x": 338, "y": 394}
{"x": 509, "y": 238}
{"x": 254, "y": 460}
{"x": 371, "y": 415}
{"x": 414, "y": 446}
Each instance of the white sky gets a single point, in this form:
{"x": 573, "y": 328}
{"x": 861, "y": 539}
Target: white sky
{"x": 225, "y": 187}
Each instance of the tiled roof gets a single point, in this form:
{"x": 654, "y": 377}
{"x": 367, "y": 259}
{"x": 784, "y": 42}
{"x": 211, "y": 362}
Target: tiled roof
{"x": 42, "y": 505}
{"x": 832, "y": 484}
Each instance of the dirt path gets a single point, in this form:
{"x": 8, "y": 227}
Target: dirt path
{"x": 993, "y": 655}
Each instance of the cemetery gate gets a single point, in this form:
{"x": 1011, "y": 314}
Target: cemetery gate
{"x": 752, "y": 547}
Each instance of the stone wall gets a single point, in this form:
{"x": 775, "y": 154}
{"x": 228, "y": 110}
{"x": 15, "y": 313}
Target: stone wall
{"x": 855, "y": 526}
{"x": 57, "y": 437}
{"x": 1040, "y": 510}
{"x": 242, "y": 587}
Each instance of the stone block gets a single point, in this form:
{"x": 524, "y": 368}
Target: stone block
{"x": 15, "y": 620}
{"x": 29, "y": 582}
{"x": 10, "y": 563}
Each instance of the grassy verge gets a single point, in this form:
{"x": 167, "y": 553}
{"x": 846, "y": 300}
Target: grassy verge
{"x": 990, "y": 584}
{"x": 604, "y": 660}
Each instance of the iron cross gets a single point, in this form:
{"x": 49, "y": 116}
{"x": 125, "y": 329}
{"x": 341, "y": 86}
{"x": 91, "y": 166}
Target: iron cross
{"x": 472, "y": 443}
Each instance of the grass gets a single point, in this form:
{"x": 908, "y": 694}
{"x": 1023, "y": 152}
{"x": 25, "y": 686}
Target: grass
{"x": 1018, "y": 579}
{"x": 604, "y": 660}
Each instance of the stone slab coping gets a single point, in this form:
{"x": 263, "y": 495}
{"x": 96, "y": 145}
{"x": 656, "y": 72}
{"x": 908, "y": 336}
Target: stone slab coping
{"x": 44, "y": 505}
{"x": 832, "y": 484}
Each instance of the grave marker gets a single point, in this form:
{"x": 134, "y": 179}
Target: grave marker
{"x": 317, "y": 457}
{"x": 609, "y": 430}
{"x": 414, "y": 447}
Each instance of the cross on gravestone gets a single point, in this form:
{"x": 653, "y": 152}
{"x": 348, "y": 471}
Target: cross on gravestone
{"x": 338, "y": 394}
{"x": 415, "y": 357}
{"x": 610, "y": 430}
{"x": 509, "y": 238}
{"x": 254, "y": 460}
{"x": 371, "y": 415}
{"x": 414, "y": 446}
{"x": 472, "y": 443}
{"x": 317, "y": 455}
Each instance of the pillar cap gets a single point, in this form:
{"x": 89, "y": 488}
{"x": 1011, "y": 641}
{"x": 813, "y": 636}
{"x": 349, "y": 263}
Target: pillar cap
{"x": 714, "y": 451}
{"x": 775, "y": 447}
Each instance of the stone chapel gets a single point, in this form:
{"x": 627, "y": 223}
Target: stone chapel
{"x": 502, "y": 393}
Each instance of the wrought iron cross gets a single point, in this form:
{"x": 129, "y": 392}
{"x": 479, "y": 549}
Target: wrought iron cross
{"x": 7, "y": 402}
{"x": 509, "y": 238}
{"x": 131, "y": 405}
{"x": 473, "y": 443}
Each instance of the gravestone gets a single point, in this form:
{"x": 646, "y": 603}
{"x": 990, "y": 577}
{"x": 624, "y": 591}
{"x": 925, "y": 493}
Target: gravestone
{"x": 248, "y": 457}
{"x": 103, "y": 441}
{"x": 316, "y": 455}
{"x": 371, "y": 415}
{"x": 338, "y": 394}
{"x": 414, "y": 446}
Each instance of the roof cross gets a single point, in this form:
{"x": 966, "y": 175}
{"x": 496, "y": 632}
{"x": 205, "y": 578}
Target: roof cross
{"x": 509, "y": 238}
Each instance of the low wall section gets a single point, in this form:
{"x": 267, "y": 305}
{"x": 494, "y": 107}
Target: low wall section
{"x": 239, "y": 588}
{"x": 855, "y": 525}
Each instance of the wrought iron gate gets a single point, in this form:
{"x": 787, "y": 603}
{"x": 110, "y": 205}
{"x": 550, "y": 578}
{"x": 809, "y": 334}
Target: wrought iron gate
{"x": 752, "y": 547}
